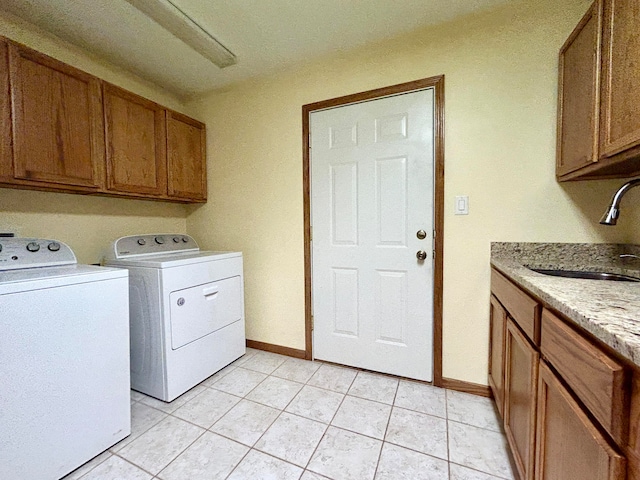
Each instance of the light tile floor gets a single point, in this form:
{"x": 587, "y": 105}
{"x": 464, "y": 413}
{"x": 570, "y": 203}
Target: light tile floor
{"x": 268, "y": 416}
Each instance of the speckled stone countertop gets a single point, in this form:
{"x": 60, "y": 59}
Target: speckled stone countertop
{"x": 608, "y": 310}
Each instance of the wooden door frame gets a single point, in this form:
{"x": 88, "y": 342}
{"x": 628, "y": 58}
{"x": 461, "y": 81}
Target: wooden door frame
{"x": 437, "y": 83}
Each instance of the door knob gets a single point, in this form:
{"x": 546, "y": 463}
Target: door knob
{"x": 421, "y": 255}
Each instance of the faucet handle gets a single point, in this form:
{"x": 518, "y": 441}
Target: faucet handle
{"x": 629, "y": 255}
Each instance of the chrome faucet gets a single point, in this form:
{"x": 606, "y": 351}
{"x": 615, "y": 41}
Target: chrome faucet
{"x": 610, "y": 217}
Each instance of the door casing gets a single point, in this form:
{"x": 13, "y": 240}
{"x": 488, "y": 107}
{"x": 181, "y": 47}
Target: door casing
{"x": 437, "y": 83}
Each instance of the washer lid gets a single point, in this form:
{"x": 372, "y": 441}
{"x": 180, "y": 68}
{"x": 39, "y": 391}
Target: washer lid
{"x": 14, "y": 281}
{"x": 171, "y": 259}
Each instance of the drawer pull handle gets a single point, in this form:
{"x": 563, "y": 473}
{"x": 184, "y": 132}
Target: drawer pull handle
{"x": 211, "y": 291}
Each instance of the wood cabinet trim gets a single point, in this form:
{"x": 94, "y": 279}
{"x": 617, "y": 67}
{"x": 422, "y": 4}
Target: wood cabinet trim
{"x": 497, "y": 352}
{"x": 6, "y": 130}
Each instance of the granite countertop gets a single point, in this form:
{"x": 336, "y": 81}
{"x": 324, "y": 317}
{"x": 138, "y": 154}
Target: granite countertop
{"x": 608, "y": 310}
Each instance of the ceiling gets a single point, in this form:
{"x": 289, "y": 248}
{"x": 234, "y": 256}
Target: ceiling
{"x": 265, "y": 35}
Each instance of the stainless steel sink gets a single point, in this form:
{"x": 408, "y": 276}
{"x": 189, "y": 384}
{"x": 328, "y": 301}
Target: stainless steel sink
{"x": 587, "y": 275}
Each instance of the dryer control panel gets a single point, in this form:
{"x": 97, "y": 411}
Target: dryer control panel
{"x": 18, "y": 253}
{"x": 152, "y": 244}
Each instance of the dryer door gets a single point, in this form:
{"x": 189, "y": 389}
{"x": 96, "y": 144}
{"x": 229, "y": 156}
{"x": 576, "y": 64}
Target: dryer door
{"x": 200, "y": 310}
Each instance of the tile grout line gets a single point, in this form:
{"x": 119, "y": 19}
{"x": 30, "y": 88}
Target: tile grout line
{"x": 446, "y": 412}
{"x": 283, "y": 410}
{"x": 386, "y": 428}
{"x": 344, "y": 395}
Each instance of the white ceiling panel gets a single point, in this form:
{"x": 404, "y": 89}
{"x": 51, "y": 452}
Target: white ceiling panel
{"x": 264, "y": 34}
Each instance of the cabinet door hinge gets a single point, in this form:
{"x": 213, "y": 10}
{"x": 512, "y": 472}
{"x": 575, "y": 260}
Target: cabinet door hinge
{"x": 312, "y": 323}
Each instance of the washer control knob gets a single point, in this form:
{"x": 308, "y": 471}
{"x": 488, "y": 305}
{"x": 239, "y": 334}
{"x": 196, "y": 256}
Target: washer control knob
{"x": 33, "y": 247}
{"x": 0, "y": 247}
{"x": 159, "y": 240}
{"x": 185, "y": 239}
{"x": 53, "y": 246}
{"x": 176, "y": 239}
{"x": 180, "y": 301}
{"x": 141, "y": 241}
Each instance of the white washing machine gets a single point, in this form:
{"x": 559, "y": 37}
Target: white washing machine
{"x": 64, "y": 359}
{"x": 186, "y": 310}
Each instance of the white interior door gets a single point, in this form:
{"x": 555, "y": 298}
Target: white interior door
{"x": 371, "y": 193}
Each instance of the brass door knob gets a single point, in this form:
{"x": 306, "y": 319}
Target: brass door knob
{"x": 421, "y": 255}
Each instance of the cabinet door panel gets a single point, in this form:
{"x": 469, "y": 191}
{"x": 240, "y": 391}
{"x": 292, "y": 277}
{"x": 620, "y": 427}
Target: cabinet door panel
{"x": 598, "y": 380}
{"x": 498, "y": 319}
{"x": 521, "y": 376}
{"x": 186, "y": 157}
{"x": 57, "y": 121}
{"x": 568, "y": 444}
{"x": 620, "y": 128}
{"x": 136, "y": 143}
{"x": 524, "y": 310}
{"x": 6, "y": 152}
{"x": 578, "y": 94}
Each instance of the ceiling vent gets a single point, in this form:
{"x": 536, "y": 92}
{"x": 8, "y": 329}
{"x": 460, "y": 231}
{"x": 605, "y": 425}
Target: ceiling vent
{"x": 174, "y": 20}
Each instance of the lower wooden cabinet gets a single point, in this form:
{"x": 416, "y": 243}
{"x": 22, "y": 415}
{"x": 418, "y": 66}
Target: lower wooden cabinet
{"x": 570, "y": 407}
{"x": 520, "y": 384}
{"x": 497, "y": 330}
{"x": 569, "y": 445}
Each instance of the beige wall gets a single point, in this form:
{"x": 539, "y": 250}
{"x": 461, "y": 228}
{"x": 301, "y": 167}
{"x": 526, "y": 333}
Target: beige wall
{"x": 501, "y": 71}
{"x": 87, "y": 224}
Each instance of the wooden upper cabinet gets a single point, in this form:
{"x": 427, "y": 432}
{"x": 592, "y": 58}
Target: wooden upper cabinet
{"x": 58, "y": 131}
{"x": 520, "y": 384}
{"x": 6, "y": 152}
{"x": 497, "y": 330}
{"x": 620, "y": 123}
{"x": 578, "y": 94}
{"x": 186, "y": 157}
{"x": 135, "y": 143}
{"x": 598, "y": 107}
{"x": 569, "y": 445}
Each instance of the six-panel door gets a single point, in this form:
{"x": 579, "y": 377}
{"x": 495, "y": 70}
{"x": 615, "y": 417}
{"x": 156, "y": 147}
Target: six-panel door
{"x": 371, "y": 193}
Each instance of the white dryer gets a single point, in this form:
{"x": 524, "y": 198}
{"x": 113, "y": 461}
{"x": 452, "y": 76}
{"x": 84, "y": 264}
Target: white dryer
{"x": 64, "y": 359}
{"x": 186, "y": 310}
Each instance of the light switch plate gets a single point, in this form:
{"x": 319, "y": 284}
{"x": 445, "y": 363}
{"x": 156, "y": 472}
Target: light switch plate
{"x": 462, "y": 205}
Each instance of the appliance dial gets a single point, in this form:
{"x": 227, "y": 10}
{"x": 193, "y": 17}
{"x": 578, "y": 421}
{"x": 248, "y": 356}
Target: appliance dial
{"x": 176, "y": 239}
{"x": 53, "y": 246}
{"x": 0, "y": 247}
{"x": 33, "y": 247}
{"x": 159, "y": 240}
{"x": 185, "y": 239}
{"x": 141, "y": 241}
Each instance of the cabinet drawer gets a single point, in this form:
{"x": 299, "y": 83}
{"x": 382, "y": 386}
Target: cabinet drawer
{"x": 597, "y": 379}
{"x": 522, "y": 308}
